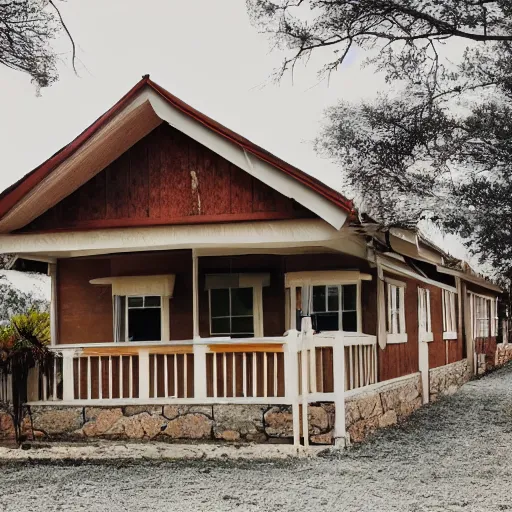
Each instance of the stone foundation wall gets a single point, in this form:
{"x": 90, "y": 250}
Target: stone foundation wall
{"x": 503, "y": 354}
{"x": 384, "y": 405}
{"x": 446, "y": 380}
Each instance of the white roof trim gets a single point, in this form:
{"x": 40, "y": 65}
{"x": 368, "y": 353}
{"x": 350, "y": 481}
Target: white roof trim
{"x": 270, "y": 234}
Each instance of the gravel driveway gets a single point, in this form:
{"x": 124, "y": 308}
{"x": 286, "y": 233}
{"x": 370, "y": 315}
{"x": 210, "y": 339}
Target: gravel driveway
{"x": 453, "y": 455}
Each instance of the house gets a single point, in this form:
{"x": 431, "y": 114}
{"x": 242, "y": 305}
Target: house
{"x": 202, "y": 288}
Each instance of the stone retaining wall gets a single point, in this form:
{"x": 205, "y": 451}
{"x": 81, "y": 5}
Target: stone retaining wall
{"x": 503, "y": 354}
{"x": 446, "y": 380}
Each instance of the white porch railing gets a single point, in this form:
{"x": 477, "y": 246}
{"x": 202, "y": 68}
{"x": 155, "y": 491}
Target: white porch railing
{"x": 295, "y": 369}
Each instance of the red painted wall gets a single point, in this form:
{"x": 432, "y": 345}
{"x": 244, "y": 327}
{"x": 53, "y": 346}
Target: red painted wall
{"x": 167, "y": 178}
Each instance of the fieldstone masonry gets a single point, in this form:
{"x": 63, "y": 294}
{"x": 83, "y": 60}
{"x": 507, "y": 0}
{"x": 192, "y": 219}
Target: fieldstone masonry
{"x": 446, "y": 380}
{"x": 503, "y": 354}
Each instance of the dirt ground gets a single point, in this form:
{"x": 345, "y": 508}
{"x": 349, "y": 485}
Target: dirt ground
{"x": 453, "y": 455}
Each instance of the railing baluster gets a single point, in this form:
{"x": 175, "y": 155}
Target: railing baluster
{"x": 54, "y": 390}
{"x": 176, "y": 375}
{"x": 89, "y": 383}
{"x": 265, "y": 374}
{"x": 100, "y": 379}
{"x": 185, "y": 376}
{"x": 130, "y": 376}
{"x": 121, "y": 390}
{"x": 244, "y": 374}
{"x": 215, "y": 374}
{"x": 275, "y": 374}
{"x": 351, "y": 367}
{"x": 110, "y": 377}
{"x": 155, "y": 376}
{"x": 166, "y": 375}
{"x": 361, "y": 373}
{"x": 233, "y": 374}
{"x": 254, "y": 379}
{"x": 225, "y": 375}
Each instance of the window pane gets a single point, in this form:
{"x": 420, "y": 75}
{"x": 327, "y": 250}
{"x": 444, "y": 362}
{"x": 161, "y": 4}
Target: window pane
{"x": 333, "y": 298}
{"x": 349, "y": 297}
{"x": 326, "y": 322}
{"x": 350, "y": 321}
{"x": 318, "y": 298}
{"x": 220, "y": 326}
{"x": 135, "y": 302}
{"x": 152, "y": 302}
{"x": 241, "y": 301}
{"x": 242, "y": 324}
{"x": 144, "y": 325}
{"x": 219, "y": 302}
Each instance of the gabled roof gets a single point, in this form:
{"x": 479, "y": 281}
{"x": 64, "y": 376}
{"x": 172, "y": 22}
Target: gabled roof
{"x": 19, "y": 204}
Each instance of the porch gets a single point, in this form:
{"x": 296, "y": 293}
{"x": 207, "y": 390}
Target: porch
{"x": 296, "y": 370}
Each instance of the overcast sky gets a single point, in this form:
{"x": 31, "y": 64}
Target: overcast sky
{"x": 204, "y": 51}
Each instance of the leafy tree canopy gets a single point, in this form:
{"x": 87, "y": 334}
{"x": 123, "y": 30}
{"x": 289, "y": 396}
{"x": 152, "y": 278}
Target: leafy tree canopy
{"x": 438, "y": 144}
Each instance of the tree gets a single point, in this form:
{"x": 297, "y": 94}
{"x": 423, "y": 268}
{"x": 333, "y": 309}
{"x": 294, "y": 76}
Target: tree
{"x": 438, "y": 145}
{"x": 27, "y": 28}
{"x": 23, "y": 346}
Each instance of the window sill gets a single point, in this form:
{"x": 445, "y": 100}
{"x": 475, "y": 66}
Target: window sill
{"x": 450, "y": 335}
{"x": 396, "y": 338}
{"x": 427, "y": 337}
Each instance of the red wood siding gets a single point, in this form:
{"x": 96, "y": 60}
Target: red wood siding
{"x": 84, "y": 310}
{"x": 437, "y": 348}
{"x": 167, "y": 178}
{"x": 400, "y": 359}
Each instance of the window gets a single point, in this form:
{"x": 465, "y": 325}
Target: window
{"x": 485, "y": 321}
{"x": 395, "y": 301}
{"x": 425, "y": 318}
{"x": 144, "y": 318}
{"x": 335, "y": 308}
{"x": 494, "y": 317}
{"x": 449, "y": 315}
{"x": 232, "y": 312}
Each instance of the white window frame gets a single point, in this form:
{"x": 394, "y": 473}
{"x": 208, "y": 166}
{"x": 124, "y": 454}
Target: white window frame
{"x": 425, "y": 315}
{"x": 400, "y": 336}
{"x": 257, "y": 311}
{"x": 164, "y": 314}
{"x": 294, "y": 280}
{"x": 491, "y": 310}
{"x": 340, "y": 309}
{"x": 449, "y": 299}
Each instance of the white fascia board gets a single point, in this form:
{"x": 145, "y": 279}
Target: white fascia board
{"x": 274, "y": 178}
{"x": 395, "y": 269}
{"x": 470, "y": 279}
{"x": 271, "y": 234}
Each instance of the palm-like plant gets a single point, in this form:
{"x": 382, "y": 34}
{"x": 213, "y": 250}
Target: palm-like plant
{"x": 23, "y": 346}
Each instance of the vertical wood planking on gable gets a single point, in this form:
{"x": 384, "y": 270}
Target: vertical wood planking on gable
{"x": 117, "y": 187}
{"x": 155, "y": 175}
{"x": 167, "y": 176}
{"x": 138, "y": 191}
{"x": 214, "y": 183}
{"x": 241, "y": 190}
{"x": 263, "y": 197}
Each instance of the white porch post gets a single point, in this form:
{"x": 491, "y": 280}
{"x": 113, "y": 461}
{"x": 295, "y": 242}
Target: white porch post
{"x": 291, "y": 372}
{"x": 68, "y": 378}
{"x": 195, "y": 294}
{"x": 52, "y": 272}
{"x": 144, "y": 374}
{"x": 200, "y": 371}
{"x": 340, "y": 433}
